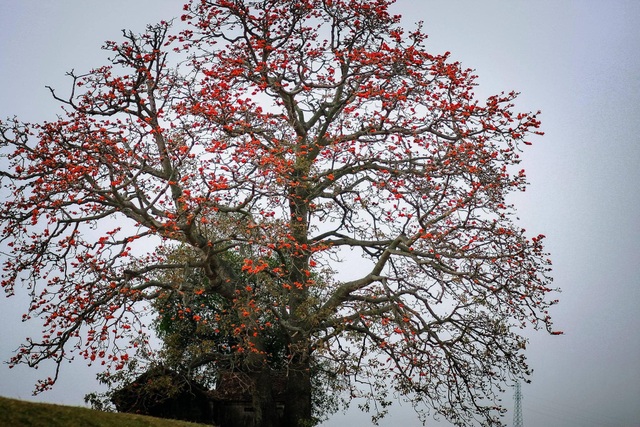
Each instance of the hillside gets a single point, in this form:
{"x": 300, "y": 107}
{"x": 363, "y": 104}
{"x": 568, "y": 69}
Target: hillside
{"x": 19, "y": 413}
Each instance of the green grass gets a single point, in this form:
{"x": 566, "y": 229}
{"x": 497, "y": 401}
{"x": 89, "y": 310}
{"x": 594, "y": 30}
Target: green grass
{"x": 19, "y": 413}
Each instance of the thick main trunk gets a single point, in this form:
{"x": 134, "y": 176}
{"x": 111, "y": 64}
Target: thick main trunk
{"x": 297, "y": 410}
{"x": 263, "y": 403}
{"x": 265, "y": 412}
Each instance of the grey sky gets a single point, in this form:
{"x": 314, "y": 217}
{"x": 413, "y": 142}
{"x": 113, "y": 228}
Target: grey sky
{"x": 577, "y": 61}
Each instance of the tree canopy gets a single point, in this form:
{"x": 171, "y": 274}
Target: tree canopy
{"x": 355, "y": 174}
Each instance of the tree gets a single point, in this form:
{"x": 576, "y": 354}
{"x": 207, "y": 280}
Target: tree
{"x": 299, "y": 131}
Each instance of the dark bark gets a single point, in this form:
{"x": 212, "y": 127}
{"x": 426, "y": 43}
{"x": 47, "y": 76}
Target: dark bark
{"x": 263, "y": 402}
{"x": 297, "y": 410}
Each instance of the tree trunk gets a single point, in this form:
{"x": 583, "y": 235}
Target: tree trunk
{"x": 265, "y": 413}
{"x": 297, "y": 410}
{"x": 263, "y": 402}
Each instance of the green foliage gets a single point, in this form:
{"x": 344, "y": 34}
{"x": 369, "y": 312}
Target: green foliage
{"x": 200, "y": 328}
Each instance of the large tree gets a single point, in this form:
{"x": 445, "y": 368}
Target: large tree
{"x": 318, "y": 138}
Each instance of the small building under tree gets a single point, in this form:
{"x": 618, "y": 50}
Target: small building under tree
{"x": 164, "y": 393}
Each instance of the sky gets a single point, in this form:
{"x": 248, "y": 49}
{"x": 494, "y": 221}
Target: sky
{"x": 577, "y": 61}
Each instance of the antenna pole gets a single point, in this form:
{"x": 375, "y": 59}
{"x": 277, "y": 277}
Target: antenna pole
{"x": 517, "y": 400}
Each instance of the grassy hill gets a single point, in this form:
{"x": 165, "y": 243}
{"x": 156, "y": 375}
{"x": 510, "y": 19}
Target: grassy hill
{"x": 19, "y": 413}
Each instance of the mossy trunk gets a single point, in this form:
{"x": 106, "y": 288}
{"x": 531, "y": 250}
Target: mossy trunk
{"x": 297, "y": 410}
{"x": 265, "y": 413}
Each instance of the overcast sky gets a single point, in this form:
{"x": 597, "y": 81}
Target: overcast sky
{"x": 577, "y": 61}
